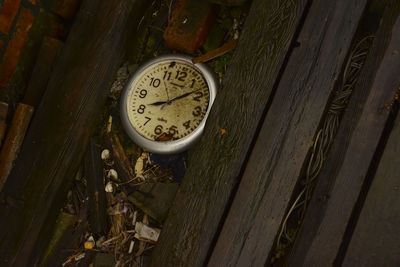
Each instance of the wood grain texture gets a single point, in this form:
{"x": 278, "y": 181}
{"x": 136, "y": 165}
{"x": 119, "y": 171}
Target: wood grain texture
{"x": 350, "y": 156}
{"x": 42, "y": 71}
{"x": 60, "y": 130}
{"x": 9, "y": 152}
{"x": 194, "y": 219}
{"x": 287, "y": 133}
{"x": 376, "y": 239}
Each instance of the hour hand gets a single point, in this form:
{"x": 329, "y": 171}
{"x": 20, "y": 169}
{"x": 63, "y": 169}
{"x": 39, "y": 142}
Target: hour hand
{"x": 159, "y": 103}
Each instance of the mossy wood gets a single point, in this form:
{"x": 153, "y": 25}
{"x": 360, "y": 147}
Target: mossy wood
{"x": 354, "y": 153}
{"x": 57, "y": 138}
{"x": 217, "y": 160}
{"x": 287, "y": 134}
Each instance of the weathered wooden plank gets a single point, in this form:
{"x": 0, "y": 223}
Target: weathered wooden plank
{"x": 15, "y": 136}
{"x": 3, "y": 118}
{"x": 287, "y": 133}
{"x": 98, "y": 217}
{"x": 60, "y": 130}
{"x": 42, "y": 70}
{"x": 201, "y": 201}
{"x": 376, "y": 239}
{"x": 352, "y": 152}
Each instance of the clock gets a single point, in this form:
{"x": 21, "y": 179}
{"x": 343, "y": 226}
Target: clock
{"x": 165, "y": 105}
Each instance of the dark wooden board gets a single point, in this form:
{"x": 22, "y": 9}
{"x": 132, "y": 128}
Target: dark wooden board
{"x": 351, "y": 154}
{"x": 67, "y": 116}
{"x": 42, "y": 71}
{"x": 98, "y": 217}
{"x": 287, "y": 133}
{"x": 217, "y": 160}
{"x": 376, "y": 239}
{"x": 16, "y": 133}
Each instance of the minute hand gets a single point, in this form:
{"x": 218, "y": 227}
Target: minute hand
{"x": 182, "y": 96}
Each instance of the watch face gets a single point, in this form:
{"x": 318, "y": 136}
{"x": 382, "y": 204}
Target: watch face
{"x": 167, "y": 100}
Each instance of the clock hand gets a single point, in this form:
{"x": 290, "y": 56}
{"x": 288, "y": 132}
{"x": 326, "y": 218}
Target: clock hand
{"x": 166, "y": 90}
{"x": 158, "y": 103}
{"x": 182, "y": 96}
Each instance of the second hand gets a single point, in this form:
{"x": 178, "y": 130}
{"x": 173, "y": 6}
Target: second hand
{"x": 166, "y": 90}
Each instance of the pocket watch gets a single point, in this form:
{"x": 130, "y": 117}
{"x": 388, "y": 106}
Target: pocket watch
{"x": 165, "y": 104}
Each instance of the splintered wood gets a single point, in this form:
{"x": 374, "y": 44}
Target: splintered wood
{"x": 122, "y": 163}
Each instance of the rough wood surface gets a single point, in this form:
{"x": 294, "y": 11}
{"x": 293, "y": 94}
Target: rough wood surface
{"x": 351, "y": 154}
{"x": 201, "y": 201}
{"x": 60, "y": 130}
{"x": 42, "y": 71}
{"x": 376, "y": 239}
{"x": 15, "y": 136}
{"x": 287, "y": 133}
{"x": 98, "y": 217}
{"x": 3, "y": 120}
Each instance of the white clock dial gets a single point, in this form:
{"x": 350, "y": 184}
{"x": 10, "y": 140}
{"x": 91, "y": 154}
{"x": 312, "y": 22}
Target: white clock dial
{"x": 168, "y": 100}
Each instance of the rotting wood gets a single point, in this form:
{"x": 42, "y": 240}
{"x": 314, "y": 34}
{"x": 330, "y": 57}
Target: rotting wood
{"x": 200, "y": 203}
{"x": 42, "y": 71}
{"x": 15, "y": 136}
{"x": 60, "y": 130}
{"x": 376, "y": 239}
{"x": 98, "y": 218}
{"x": 287, "y": 133}
{"x": 3, "y": 118}
{"x": 349, "y": 159}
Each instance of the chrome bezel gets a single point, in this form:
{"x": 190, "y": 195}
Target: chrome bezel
{"x": 176, "y": 146}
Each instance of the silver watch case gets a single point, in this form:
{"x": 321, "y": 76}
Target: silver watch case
{"x": 176, "y": 146}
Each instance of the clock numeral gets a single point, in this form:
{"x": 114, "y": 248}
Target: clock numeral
{"x": 143, "y": 93}
{"x": 158, "y": 129}
{"x": 197, "y": 111}
{"x": 173, "y": 130}
{"x": 198, "y": 96}
{"x": 141, "y": 109}
{"x": 181, "y": 75}
{"x": 187, "y": 124}
{"x": 193, "y": 81}
{"x": 155, "y": 82}
{"x": 167, "y": 74}
{"x": 148, "y": 119}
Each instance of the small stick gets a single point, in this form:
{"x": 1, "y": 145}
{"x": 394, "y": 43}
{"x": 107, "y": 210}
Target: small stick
{"x": 225, "y": 48}
{"x": 123, "y": 165}
{"x": 15, "y": 136}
